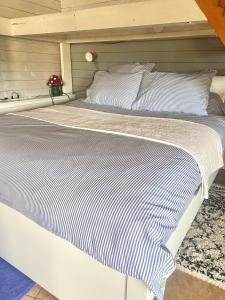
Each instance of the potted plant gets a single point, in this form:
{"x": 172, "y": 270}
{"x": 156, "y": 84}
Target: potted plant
{"x": 55, "y": 84}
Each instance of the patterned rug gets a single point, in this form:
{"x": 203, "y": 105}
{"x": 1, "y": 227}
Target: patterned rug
{"x": 202, "y": 253}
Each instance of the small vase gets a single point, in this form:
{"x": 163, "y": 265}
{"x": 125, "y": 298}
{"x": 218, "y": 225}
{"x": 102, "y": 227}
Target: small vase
{"x": 56, "y": 91}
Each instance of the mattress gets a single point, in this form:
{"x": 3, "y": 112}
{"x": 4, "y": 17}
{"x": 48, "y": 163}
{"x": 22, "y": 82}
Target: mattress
{"x": 116, "y": 197}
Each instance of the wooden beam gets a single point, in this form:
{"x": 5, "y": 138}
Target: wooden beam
{"x": 52, "y": 38}
{"x": 128, "y": 15}
{"x": 66, "y": 68}
{"x": 126, "y": 35}
{"x": 5, "y": 26}
{"x": 215, "y": 14}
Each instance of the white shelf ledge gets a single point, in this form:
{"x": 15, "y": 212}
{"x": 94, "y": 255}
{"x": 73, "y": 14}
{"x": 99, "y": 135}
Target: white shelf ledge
{"x": 30, "y": 103}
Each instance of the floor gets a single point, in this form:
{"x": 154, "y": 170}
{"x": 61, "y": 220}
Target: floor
{"x": 181, "y": 286}
{"x": 220, "y": 179}
{"x": 38, "y": 293}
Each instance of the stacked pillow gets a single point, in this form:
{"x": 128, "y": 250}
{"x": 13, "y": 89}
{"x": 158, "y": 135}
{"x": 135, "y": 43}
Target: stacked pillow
{"x": 115, "y": 89}
{"x": 171, "y": 92}
{"x": 119, "y": 87}
{"x": 134, "y": 86}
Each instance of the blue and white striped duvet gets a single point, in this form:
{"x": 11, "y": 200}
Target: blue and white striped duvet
{"x": 116, "y": 198}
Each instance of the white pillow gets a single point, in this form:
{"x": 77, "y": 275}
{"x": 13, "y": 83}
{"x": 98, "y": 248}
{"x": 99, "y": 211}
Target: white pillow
{"x": 172, "y": 92}
{"x": 131, "y": 68}
{"x": 115, "y": 89}
{"x": 134, "y": 68}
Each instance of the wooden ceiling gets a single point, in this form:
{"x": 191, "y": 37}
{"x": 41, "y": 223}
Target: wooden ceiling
{"x": 25, "y": 8}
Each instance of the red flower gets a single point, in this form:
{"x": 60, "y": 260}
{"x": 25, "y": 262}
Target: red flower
{"x": 55, "y": 80}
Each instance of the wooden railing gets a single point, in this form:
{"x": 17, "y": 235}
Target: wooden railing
{"x": 215, "y": 13}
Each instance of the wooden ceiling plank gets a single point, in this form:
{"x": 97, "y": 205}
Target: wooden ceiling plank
{"x": 23, "y": 8}
{"x": 53, "y": 4}
{"x": 29, "y": 7}
{"x": 8, "y": 12}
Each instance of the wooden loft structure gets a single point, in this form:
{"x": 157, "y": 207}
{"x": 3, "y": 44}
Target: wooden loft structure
{"x": 96, "y": 20}
{"x": 76, "y": 21}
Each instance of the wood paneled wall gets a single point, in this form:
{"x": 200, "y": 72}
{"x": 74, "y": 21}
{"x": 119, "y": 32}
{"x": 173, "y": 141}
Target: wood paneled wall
{"x": 26, "y": 65}
{"x": 25, "y": 8}
{"x": 184, "y": 55}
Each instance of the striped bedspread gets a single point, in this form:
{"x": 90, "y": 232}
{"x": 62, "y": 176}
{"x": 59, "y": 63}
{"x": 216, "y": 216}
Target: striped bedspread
{"x": 117, "y": 197}
{"x": 213, "y": 121}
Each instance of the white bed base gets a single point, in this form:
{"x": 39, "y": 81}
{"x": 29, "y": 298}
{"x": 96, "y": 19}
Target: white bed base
{"x": 67, "y": 272}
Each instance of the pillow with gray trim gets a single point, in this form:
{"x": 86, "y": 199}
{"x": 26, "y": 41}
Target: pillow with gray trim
{"x": 115, "y": 89}
{"x": 131, "y": 68}
{"x": 216, "y": 106}
{"x": 172, "y": 92}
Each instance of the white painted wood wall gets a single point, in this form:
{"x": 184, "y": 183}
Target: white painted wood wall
{"x": 25, "y": 8}
{"x": 26, "y": 65}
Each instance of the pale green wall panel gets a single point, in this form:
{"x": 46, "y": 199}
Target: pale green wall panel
{"x": 182, "y": 55}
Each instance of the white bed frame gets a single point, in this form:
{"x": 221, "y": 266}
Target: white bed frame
{"x": 67, "y": 272}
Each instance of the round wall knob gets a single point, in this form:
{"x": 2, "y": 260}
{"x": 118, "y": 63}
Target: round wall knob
{"x": 90, "y": 56}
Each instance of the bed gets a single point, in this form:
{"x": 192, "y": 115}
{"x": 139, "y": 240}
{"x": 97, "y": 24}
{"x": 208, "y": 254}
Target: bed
{"x": 50, "y": 258}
